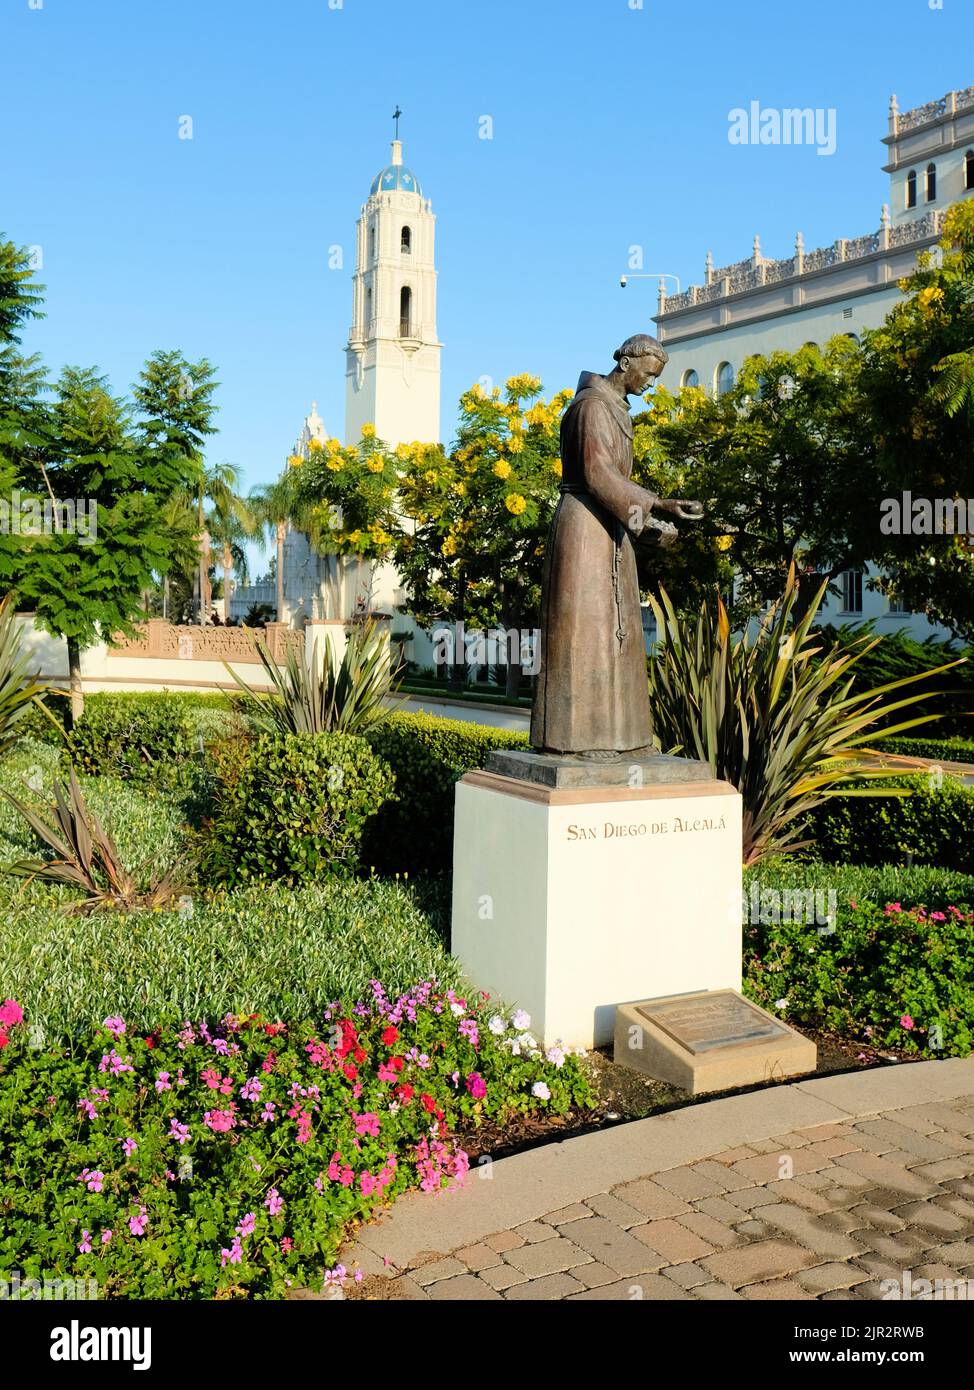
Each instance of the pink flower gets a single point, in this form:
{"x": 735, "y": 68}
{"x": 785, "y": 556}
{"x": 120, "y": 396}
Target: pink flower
{"x": 274, "y": 1202}
{"x": 366, "y": 1124}
{"x": 129, "y": 1147}
{"x": 138, "y": 1223}
{"x": 212, "y": 1078}
{"x": 247, "y": 1225}
{"x": 93, "y": 1180}
{"x": 906, "y": 1022}
{"x": 220, "y": 1121}
{"x": 106, "y": 1236}
{"x": 476, "y": 1085}
{"x": 115, "y": 1026}
{"x": 177, "y": 1131}
{"x": 367, "y": 1184}
{"x": 286, "y": 1245}
{"x": 251, "y": 1089}
{"x": 232, "y": 1256}
{"x": 163, "y": 1083}
{"x": 85, "y": 1245}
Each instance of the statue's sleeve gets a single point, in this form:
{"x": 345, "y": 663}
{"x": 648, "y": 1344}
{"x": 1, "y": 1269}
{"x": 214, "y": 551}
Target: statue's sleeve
{"x": 625, "y": 499}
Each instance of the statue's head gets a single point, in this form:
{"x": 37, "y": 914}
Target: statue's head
{"x": 641, "y": 359}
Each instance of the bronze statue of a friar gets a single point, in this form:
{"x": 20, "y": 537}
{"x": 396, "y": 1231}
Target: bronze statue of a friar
{"x": 593, "y": 695}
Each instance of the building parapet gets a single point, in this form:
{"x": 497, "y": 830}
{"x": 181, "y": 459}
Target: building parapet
{"x": 949, "y": 105}
{"x": 759, "y": 271}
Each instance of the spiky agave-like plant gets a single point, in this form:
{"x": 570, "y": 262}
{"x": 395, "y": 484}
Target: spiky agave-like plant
{"x": 773, "y": 713}
{"x": 18, "y": 690}
{"x": 346, "y": 696}
{"x": 85, "y": 856}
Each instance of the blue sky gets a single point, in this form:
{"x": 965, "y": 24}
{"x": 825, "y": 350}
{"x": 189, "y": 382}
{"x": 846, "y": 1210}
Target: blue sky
{"x": 610, "y": 129}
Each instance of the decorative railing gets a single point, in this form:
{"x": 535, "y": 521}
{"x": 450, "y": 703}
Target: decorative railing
{"x": 933, "y": 110}
{"x": 745, "y": 275}
{"x": 165, "y": 640}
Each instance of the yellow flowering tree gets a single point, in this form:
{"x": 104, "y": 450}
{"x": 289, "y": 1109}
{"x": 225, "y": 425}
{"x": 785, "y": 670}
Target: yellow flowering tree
{"x": 481, "y": 512}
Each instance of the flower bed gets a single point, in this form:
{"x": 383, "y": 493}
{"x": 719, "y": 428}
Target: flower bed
{"x": 229, "y": 1160}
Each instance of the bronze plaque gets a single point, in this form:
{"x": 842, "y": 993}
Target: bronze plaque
{"x": 721, "y": 1019}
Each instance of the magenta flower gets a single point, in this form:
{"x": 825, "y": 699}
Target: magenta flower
{"x": 906, "y": 1022}
{"x": 93, "y": 1179}
{"x": 106, "y": 1236}
{"x": 476, "y": 1085}
{"x": 247, "y": 1225}
{"x": 138, "y": 1223}
{"x": 366, "y": 1124}
{"x": 85, "y": 1245}
{"x": 129, "y": 1147}
{"x": 251, "y": 1089}
{"x": 115, "y": 1026}
{"x": 10, "y": 1013}
{"x": 232, "y": 1256}
{"x": 220, "y": 1121}
{"x": 286, "y": 1245}
{"x": 163, "y": 1083}
{"x": 274, "y": 1202}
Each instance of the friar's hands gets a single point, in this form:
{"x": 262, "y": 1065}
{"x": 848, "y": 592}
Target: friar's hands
{"x": 682, "y": 508}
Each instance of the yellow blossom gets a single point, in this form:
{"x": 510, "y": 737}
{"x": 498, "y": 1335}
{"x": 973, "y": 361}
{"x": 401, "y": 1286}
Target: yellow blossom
{"x": 430, "y": 476}
{"x": 368, "y": 431}
{"x": 314, "y": 446}
{"x": 460, "y": 489}
{"x": 375, "y": 464}
{"x": 515, "y": 503}
{"x": 515, "y": 444}
{"x": 449, "y": 546}
{"x": 335, "y": 464}
{"x": 502, "y": 469}
{"x": 354, "y": 537}
{"x": 295, "y": 461}
{"x": 556, "y": 466}
{"x": 724, "y": 542}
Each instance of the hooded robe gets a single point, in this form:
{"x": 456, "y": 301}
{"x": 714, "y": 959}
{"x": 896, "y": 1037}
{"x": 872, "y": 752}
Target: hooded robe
{"x": 593, "y": 692}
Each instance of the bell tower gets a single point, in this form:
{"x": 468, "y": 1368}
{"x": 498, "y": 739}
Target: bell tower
{"x": 392, "y": 372}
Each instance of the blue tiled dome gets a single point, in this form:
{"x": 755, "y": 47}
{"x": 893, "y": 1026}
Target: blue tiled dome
{"x": 395, "y": 176}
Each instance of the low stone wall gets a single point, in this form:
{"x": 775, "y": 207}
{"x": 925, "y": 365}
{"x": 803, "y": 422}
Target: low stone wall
{"x": 161, "y": 640}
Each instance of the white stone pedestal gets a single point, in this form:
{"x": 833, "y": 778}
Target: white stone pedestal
{"x": 568, "y": 902}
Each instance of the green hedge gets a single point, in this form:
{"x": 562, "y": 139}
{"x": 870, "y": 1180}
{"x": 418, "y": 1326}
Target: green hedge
{"x": 289, "y": 806}
{"x": 929, "y": 825}
{"x": 429, "y": 755}
{"x": 947, "y": 750}
{"x": 917, "y": 885}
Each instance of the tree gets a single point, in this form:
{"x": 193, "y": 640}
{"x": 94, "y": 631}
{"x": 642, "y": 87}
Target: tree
{"x": 23, "y": 415}
{"x": 86, "y": 569}
{"x": 777, "y": 461}
{"x": 276, "y": 506}
{"x": 230, "y": 523}
{"x": 175, "y": 398}
{"x": 918, "y": 431}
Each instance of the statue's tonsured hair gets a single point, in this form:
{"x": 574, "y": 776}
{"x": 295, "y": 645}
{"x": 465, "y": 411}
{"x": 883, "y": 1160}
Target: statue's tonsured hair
{"x": 641, "y": 345}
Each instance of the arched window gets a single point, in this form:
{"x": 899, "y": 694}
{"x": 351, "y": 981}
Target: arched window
{"x": 911, "y": 189}
{"x": 372, "y": 242}
{"x": 368, "y": 310}
{"x": 690, "y": 378}
{"x": 406, "y": 242}
{"x": 969, "y": 169}
{"x": 405, "y": 312}
{"x": 724, "y": 378}
{"x": 931, "y": 182}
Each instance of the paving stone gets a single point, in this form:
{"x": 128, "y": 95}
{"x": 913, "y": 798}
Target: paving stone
{"x": 840, "y": 1221}
{"x": 800, "y": 1224}
{"x": 549, "y": 1256}
{"x": 872, "y": 1215}
{"x": 958, "y": 1254}
{"x": 902, "y": 1246}
{"x": 963, "y": 1187}
{"x": 716, "y": 1292}
{"x": 611, "y": 1246}
{"x": 880, "y": 1268}
{"x": 689, "y": 1184}
{"x": 504, "y": 1240}
{"x": 723, "y": 1175}
{"x": 820, "y": 1178}
{"x": 794, "y": 1192}
{"x": 719, "y": 1210}
{"x": 750, "y": 1198}
{"x": 832, "y": 1148}
{"x": 960, "y": 1206}
{"x": 442, "y": 1269}
{"x": 465, "y": 1287}
{"x": 754, "y": 1230}
{"x": 840, "y": 1295}
{"x": 914, "y": 1120}
{"x": 834, "y": 1275}
{"x": 934, "y": 1271}
{"x": 770, "y": 1167}
{"x": 946, "y": 1116}
{"x": 784, "y": 1290}
{"x": 647, "y": 1288}
{"x": 760, "y": 1261}
{"x": 408, "y": 1290}
{"x": 648, "y": 1197}
{"x": 885, "y": 1174}
{"x": 958, "y": 1167}
{"x": 791, "y": 1139}
{"x": 621, "y": 1213}
{"x": 594, "y": 1275}
{"x": 675, "y": 1242}
{"x": 550, "y": 1287}
{"x": 931, "y": 1217}
{"x": 729, "y": 1156}
{"x": 575, "y": 1212}
{"x": 687, "y": 1275}
{"x": 532, "y": 1232}
{"x": 904, "y": 1138}
{"x": 720, "y": 1236}
{"x": 502, "y": 1276}
{"x": 477, "y": 1256}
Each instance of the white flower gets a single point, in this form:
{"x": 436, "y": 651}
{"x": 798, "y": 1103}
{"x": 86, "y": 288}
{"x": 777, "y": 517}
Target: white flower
{"x": 458, "y": 1009}
{"x": 540, "y": 1090}
{"x": 521, "y": 1020}
{"x": 781, "y": 1003}
{"x": 512, "y": 1045}
{"x": 497, "y": 1025}
{"x": 527, "y": 1041}
{"x": 555, "y": 1056}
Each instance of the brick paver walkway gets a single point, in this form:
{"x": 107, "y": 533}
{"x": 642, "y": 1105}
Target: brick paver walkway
{"x": 880, "y": 1189}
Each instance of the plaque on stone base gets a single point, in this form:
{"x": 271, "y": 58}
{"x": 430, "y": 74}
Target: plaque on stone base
{"x": 712, "y": 1040}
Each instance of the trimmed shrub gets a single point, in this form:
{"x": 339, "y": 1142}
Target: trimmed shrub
{"x": 206, "y": 713}
{"x": 931, "y": 825}
{"x": 429, "y": 755}
{"x": 290, "y": 806}
{"x": 136, "y": 740}
{"x": 919, "y": 885}
{"x": 947, "y": 750}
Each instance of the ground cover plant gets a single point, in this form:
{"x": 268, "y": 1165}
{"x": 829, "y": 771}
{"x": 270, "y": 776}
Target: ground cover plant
{"x": 230, "y": 1159}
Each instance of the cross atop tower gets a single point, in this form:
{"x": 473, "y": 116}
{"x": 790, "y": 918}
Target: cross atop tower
{"x": 395, "y": 116}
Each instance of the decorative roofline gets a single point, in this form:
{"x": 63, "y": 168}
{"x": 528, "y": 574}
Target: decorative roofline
{"x": 902, "y": 121}
{"x": 758, "y": 272}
